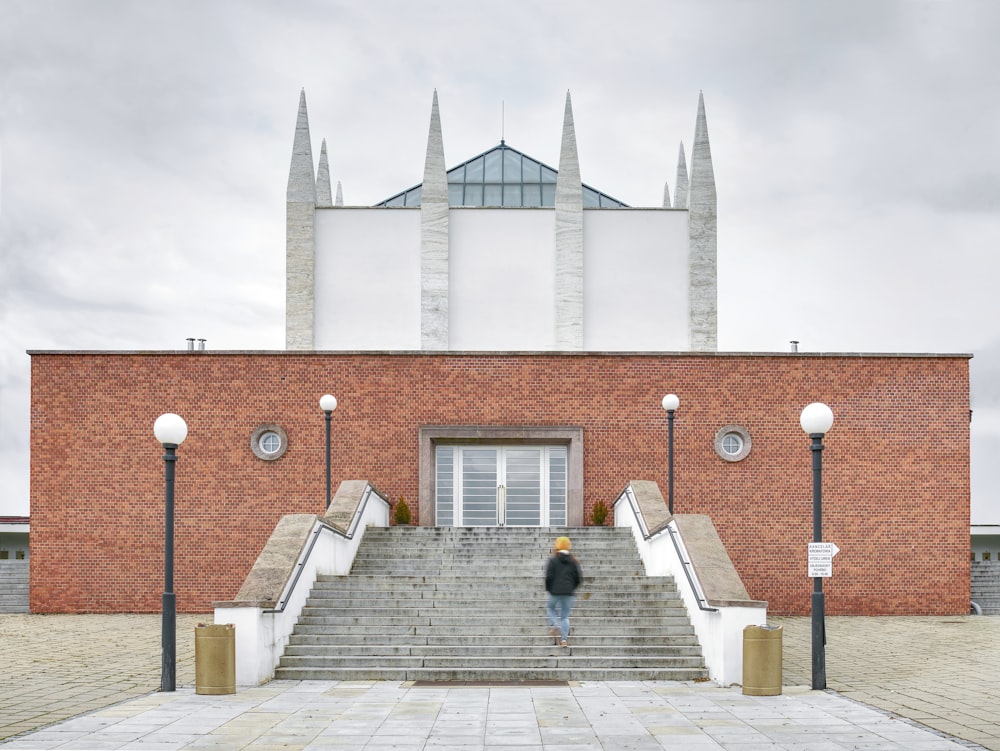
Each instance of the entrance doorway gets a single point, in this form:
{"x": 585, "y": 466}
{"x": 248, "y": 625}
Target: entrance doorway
{"x": 512, "y": 485}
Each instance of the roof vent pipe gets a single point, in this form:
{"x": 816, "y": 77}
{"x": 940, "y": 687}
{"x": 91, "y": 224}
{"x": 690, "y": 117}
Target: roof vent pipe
{"x": 795, "y": 345}
{"x": 201, "y": 345}
{"x": 190, "y": 341}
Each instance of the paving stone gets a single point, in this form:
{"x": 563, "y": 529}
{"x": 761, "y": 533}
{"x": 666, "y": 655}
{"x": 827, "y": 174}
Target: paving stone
{"x": 48, "y": 688}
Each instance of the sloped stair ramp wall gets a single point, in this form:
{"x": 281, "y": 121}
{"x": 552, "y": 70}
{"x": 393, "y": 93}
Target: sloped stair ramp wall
{"x": 301, "y": 548}
{"x": 688, "y": 547}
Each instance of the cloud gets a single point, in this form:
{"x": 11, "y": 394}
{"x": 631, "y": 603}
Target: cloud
{"x": 145, "y": 150}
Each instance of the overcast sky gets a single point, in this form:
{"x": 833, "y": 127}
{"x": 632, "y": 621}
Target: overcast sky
{"x": 144, "y": 152}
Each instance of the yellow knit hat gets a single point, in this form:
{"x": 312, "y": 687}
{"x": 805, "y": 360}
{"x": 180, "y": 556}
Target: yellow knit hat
{"x": 563, "y": 543}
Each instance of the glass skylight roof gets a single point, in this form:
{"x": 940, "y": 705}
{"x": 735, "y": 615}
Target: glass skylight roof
{"x": 503, "y": 176}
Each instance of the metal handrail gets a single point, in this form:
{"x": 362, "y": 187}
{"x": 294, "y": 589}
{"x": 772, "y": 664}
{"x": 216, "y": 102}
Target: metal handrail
{"x": 692, "y": 577}
{"x": 682, "y": 556}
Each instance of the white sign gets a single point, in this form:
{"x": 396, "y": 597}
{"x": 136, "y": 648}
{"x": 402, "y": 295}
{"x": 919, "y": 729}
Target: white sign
{"x": 821, "y": 558}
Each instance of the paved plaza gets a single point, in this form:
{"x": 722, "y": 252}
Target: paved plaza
{"x": 90, "y": 682}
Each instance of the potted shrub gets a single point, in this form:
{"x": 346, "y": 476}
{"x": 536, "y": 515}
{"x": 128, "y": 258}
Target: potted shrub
{"x": 599, "y": 515}
{"x": 401, "y": 514}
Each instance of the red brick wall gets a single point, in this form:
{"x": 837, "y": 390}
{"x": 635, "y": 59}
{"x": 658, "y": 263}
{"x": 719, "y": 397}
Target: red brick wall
{"x": 896, "y": 464}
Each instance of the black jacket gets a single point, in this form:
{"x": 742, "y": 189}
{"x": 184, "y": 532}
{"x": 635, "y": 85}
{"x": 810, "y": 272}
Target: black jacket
{"x": 562, "y": 575}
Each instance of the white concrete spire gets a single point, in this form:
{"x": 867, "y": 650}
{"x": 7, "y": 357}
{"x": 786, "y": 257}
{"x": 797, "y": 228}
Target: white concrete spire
{"x": 300, "y": 237}
{"x": 569, "y": 240}
{"x": 434, "y": 258}
{"x": 681, "y": 183}
{"x": 666, "y": 195}
{"x": 703, "y": 234}
{"x": 301, "y": 180}
{"x": 324, "y": 197}
{"x": 340, "y": 195}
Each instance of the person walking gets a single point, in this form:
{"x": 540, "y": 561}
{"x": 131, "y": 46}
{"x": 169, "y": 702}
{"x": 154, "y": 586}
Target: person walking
{"x": 563, "y": 575}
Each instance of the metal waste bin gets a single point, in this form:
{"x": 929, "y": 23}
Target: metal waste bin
{"x": 762, "y": 660}
{"x": 215, "y": 659}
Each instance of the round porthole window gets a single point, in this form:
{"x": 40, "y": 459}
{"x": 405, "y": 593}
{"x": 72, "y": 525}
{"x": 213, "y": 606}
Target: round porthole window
{"x": 732, "y": 443}
{"x": 269, "y": 442}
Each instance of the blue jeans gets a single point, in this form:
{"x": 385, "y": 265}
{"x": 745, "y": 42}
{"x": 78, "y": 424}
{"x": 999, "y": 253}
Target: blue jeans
{"x": 558, "y": 608}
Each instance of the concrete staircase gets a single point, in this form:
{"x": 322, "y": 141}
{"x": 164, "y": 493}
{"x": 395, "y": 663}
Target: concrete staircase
{"x": 986, "y": 586}
{"x": 468, "y": 604}
{"x": 14, "y": 586}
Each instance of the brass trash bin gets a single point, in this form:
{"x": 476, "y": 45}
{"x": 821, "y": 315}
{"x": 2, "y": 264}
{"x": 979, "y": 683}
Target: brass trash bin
{"x": 762, "y": 660}
{"x": 215, "y": 659}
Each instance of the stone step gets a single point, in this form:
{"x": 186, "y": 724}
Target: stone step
{"x": 518, "y": 545}
{"x": 473, "y": 620}
{"x": 524, "y": 609}
{"x": 487, "y": 651}
{"x": 676, "y": 638}
{"x": 486, "y": 674}
{"x": 379, "y": 631}
{"x": 453, "y": 582}
{"x": 336, "y": 596}
{"x": 461, "y": 568}
{"x": 471, "y": 566}
{"x": 532, "y": 576}
{"x": 516, "y": 552}
{"x": 486, "y": 609}
{"x": 546, "y": 533}
{"x": 566, "y": 659}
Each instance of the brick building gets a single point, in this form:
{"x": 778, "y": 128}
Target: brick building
{"x": 499, "y": 338}
{"x": 896, "y": 464}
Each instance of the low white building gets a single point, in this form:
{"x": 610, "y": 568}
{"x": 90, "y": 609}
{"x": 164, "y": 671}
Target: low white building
{"x": 501, "y": 253}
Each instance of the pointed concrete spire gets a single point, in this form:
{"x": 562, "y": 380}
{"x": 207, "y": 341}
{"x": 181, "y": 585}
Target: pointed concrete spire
{"x": 703, "y": 234}
{"x": 569, "y": 185}
{"x": 301, "y": 180}
{"x": 666, "y": 195}
{"x": 324, "y": 197}
{"x": 300, "y": 237}
{"x": 681, "y": 183}
{"x": 569, "y": 240}
{"x": 340, "y": 195}
{"x": 434, "y": 259}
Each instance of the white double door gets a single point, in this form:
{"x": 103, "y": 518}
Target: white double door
{"x": 487, "y": 486}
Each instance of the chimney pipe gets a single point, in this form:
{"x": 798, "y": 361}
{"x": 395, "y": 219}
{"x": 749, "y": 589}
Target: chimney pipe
{"x": 201, "y": 345}
{"x": 190, "y": 341}
{"x": 795, "y": 345}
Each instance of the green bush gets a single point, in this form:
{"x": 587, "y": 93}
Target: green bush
{"x": 401, "y": 514}
{"x": 600, "y": 514}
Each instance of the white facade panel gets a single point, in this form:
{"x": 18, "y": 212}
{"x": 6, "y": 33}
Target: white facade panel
{"x": 367, "y": 279}
{"x": 635, "y": 290}
{"x": 502, "y": 279}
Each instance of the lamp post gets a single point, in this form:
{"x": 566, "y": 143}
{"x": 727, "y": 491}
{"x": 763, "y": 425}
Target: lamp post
{"x": 670, "y": 403}
{"x": 816, "y": 420}
{"x": 328, "y": 403}
{"x": 170, "y": 430}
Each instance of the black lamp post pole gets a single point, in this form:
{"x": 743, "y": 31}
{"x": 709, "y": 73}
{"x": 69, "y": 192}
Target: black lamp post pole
{"x": 168, "y": 637}
{"x": 818, "y": 604}
{"x": 670, "y": 461}
{"x": 328, "y": 414}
